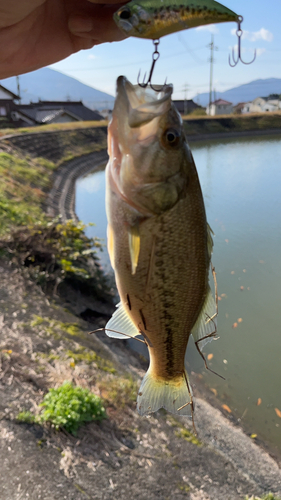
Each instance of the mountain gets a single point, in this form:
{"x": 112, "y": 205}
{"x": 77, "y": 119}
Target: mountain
{"x": 245, "y": 93}
{"x": 50, "y": 85}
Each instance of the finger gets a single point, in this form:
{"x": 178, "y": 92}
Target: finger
{"x": 100, "y": 27}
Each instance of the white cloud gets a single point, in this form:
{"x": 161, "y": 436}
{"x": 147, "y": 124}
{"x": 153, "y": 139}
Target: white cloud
{"x": 212, "y": 28}
{"x": 92, "y": 56}
{"x": 260, "y": 52}
{"x": 253, "y": 36}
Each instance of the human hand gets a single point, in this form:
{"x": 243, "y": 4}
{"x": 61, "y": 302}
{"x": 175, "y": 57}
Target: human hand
{"x": 35, "y": 33}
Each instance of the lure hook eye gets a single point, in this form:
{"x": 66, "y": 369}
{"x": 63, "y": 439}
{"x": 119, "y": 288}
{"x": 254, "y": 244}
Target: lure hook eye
{"x": 239, "y": 34}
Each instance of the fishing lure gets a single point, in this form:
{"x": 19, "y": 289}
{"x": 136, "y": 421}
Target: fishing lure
{"x": 156, "y": 18}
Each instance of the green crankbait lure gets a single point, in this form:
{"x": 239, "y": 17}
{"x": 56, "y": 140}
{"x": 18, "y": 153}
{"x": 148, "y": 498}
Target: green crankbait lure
{"x": 156, "y": 18}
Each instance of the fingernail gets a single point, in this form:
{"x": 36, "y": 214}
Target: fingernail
{"x": 80, "y": 24}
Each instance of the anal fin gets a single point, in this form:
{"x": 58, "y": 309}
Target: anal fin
{"x": 120, "y": 325}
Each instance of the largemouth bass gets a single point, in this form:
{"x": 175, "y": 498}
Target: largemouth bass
{"x": 156, "y": 18}
{"x": 159, "y": 241}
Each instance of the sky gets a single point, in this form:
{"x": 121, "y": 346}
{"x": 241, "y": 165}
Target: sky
{"x": 185, "y": 56}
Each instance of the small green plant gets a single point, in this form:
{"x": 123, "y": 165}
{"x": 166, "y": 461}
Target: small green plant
{"x": 188, "y": 436}
{"x": 69, "y": 407}
{"x": 27, "y": 417}
{"x": 121, "y": 391}
{"x": 269, "y": 496}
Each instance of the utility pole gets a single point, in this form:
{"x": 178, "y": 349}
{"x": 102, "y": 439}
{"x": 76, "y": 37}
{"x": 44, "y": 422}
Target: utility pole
{"x": 18, "y": 88}
{"x": 212, "y": 48}
{"x": 185, "y": 89}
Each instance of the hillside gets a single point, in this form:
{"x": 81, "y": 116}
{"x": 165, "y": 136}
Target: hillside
{"x": 246, "y": 92}
{"x": 50, "y": 85}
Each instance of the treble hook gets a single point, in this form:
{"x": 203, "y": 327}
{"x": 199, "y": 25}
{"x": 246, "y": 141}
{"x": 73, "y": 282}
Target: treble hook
{"x": 239, "y": 34}
{"x": 155, "y": 57}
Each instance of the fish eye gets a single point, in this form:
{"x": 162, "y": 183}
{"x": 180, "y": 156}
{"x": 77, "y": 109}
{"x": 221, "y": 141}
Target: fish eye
{"x": 125, "y": 13}
{"x": 171, "y": 137}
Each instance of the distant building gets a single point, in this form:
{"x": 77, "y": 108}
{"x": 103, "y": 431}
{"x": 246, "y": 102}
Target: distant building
{"x": 186, "y": 106}
{"x": 238, "y": 108}
{"x": 219, "y": 107}
{"x": 7, "y": 104}
{"x": 262, "y": 105}
{"x": 44, "y": 112}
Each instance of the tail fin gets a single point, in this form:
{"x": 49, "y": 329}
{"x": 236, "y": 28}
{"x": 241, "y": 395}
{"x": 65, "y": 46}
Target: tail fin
{"x": 175, "y": 395}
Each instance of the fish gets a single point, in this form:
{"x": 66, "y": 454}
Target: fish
{"x": 156, "y": 18}
{"x": 159, "y": 242}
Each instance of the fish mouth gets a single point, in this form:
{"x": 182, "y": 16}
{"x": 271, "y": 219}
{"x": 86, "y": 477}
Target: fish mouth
{"x": 143, "y": 104}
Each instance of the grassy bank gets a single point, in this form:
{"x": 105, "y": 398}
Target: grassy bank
{"x": 205, "y": 125}
{"x": 53, "y": 127}
{"x": 54, "y": 254}
{"x": 24, "y": 182}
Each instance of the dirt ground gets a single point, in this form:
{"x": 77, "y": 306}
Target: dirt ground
{"x": 125, "y": 456}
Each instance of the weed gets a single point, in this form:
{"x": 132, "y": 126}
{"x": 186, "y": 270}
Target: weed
{"x": 26, "y": 416}
{"x": 69, "y": 407}
{"x": 121, "y": 391}
{"x": 184, "y": 487}
{"x": 54, "y": 252}
{"x": 269, "y": 496}
{"x": 188, "y": 436}
{"x": 54, "y": 327}
{"x": 89, "y": 357}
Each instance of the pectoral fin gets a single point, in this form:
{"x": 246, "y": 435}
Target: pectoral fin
{"x": 206, "y": 325}
{"x": 122, "y": 325}
{"x": 110, "y": 244}
{"x": 134, "y": 246}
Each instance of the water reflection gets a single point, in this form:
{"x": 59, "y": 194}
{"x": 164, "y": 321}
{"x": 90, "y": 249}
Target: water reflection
{"x": 241, "y": 182}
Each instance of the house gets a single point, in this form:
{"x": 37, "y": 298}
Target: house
{"x": 7, "y": 104}
{"x": 219, "y": 107}
{"x": 43, "y": 112}
{"x": 238, "y": 108}
{"x": 186, "y": 106}
{"x": 262, "y": 105}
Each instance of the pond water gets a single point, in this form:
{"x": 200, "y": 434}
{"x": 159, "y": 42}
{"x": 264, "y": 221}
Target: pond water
{"x": 241, "y": 183}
